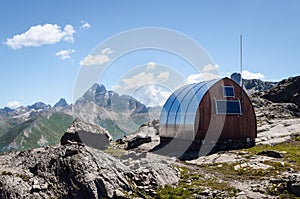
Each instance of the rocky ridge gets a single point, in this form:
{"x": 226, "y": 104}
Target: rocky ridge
{"x": 286, "y": 91}
{"x": 253, "y": 85}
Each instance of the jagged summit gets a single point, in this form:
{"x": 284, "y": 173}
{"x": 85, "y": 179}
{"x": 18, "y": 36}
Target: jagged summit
{"x": 38, "y": 106}
{"x": 111, "y": 100}
{"x": 61, "y": 103}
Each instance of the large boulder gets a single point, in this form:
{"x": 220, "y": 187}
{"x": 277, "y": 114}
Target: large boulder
{"x": 144, "y": 139}
{"x": 86, "y": 133}
{"x": 77, "y": 171}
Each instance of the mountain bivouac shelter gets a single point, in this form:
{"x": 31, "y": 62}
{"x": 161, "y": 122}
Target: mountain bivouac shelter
{"x": 216, "y": 114}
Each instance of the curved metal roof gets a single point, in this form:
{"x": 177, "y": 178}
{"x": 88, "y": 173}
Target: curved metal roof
{"x": 179, "y": 112}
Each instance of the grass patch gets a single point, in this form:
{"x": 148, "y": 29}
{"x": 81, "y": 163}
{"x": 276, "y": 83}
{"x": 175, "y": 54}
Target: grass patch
{"x": 192, "y": 184}
{"x": 115, "y": 151}
{"x": 7, "y": 173}
{"x": 291, "y": 150}
{"x": 24, "y": 177}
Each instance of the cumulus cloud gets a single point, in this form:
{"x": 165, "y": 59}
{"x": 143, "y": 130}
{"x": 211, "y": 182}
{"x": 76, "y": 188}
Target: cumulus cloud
{"x": 151, "y": 65}
{"x": 98, "y": 59}
{"x": 152, "y": 95}
{"x": 210, "y": 67}
{"x": 208, "y": 72}
{"x": 106, "y": 51}
{"x": 249, "y": 75}
{"x": 162, "y": 77}
{"x": 143, "y": 78}
{"x": 194, "y": 78}
{"x": 137, "y": 80}
{"x": 198, "y": 77}
{"x": 13, "y": 104}
{"x": 41, "y": 35}
{"x": 91, "y": 60}
{"x": 65, "y": 54}
{"x": 84, "y": 25}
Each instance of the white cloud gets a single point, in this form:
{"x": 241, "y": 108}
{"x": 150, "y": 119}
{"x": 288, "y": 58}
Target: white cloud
{"x": 65, "y": 54}
{"x": 198, "y": 77}
{"x": 41, "y": 35}
{"x": 208, "y": 72}
{"x": 165, "y": 95}
{"x": 210, "y": 67}
{"x": 155, "y": 96}
{"x": 194, "y": 78}
{"x": 13, "y": 104}
{"x": 84, "y": 25}
{"x": 249, "y": 75}
{"x": 106, "y": 51}
{"x": 101, "y": 58}
{"x": 151, "y": 65}
{"x": 91, "y": 60}
{"x": 152, "y": 95}
{"x": 68, "y": 33}
{"x": 162, "y": 77}
{"x": 137, "y": 81}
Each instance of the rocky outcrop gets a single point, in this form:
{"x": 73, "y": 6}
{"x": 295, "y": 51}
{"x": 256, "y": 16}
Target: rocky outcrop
{"x": 266, "y": 110}
{"x": 290, "y": 182}
{"x": 144, "y": 139}
{"x": 77, "y": 171}
{"x": 287, "y": 91}
{"x": 270, "y": 153}
{"x": 278, "y": 131}
{"x": 253, "y": 85}
{"x": 88, "y": 134}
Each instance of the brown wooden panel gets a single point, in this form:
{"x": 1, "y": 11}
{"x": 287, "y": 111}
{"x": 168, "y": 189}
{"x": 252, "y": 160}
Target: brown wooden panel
{"x": 235, "y": 126}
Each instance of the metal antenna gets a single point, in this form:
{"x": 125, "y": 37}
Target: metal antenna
{"x": 241, "y": 65}
{"x": 241, "y": 59}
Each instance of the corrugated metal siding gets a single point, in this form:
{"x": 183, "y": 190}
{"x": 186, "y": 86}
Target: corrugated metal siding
{"x": 180, "y": 110}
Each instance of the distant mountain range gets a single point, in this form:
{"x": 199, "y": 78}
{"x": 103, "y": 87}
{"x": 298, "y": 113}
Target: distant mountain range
{"x": 40, "y": 124}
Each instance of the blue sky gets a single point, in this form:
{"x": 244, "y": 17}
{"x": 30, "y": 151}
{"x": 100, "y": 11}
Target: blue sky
{"x": 45, "y": 67}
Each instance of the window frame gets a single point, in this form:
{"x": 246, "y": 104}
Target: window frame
{"x": 224, "y": 92}
{"x": 222, "y": 113}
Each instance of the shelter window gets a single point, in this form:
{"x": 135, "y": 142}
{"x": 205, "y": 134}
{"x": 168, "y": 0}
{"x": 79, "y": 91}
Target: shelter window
{"x": 228, "y": 91}
{"x": 228, "y": 107}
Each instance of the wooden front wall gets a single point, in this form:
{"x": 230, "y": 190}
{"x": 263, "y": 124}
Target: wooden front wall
{"x": 235, "y": 126}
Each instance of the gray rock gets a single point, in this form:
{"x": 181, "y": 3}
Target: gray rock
{"x": 287, "y": 91}
{"x": 144, "y": 139}
{"x": 295, "y": 188}
{"x": 78, "y": 171}
{"x": 89, "y": 134}
{"x": 273, "y": 154}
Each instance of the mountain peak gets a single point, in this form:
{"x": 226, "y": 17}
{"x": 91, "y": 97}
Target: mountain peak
{"x": 61, "y": 103}
{"x": 7, "y": 109}
{"x": 39, "y": 105}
